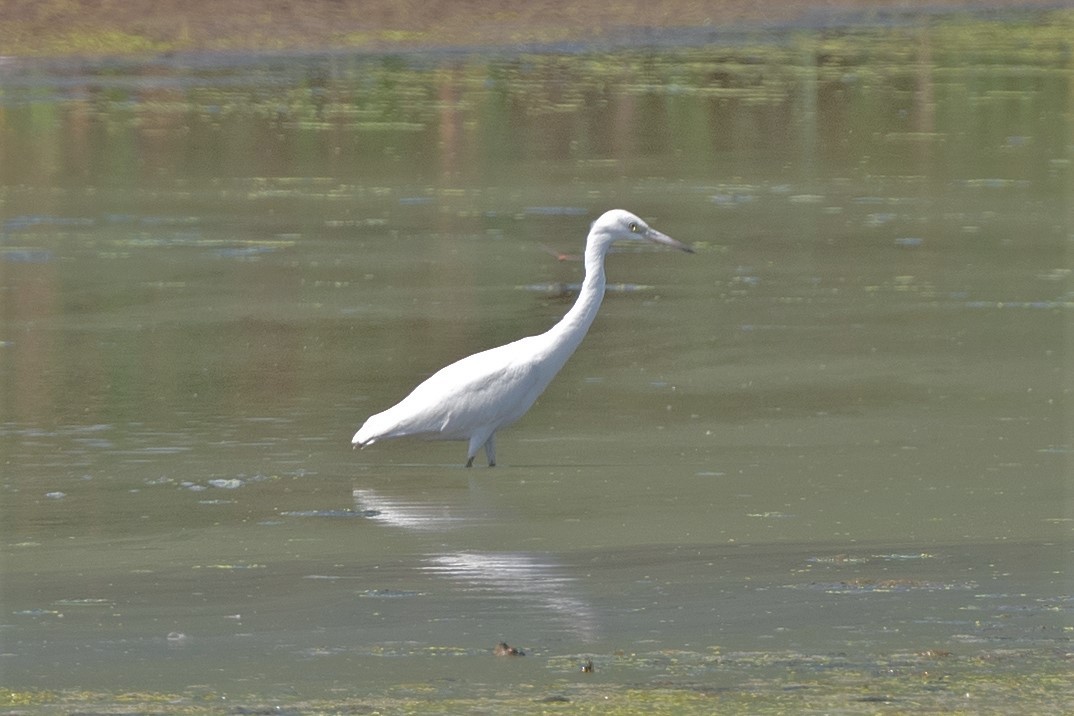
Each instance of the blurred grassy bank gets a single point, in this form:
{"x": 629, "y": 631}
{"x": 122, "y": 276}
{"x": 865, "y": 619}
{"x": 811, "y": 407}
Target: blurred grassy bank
{"x": 51, "y": 28}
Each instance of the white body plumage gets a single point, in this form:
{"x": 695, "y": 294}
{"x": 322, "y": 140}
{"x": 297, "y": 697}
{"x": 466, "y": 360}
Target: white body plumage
{"x": 474, "y": 397}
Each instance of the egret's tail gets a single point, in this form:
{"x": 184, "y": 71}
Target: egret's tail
{"x": 384, "y": 426}
{"x": 367, "y": 434}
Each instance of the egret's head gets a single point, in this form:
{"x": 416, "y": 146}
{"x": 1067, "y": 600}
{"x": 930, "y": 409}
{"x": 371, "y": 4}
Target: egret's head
{"x": 619, "y": 225}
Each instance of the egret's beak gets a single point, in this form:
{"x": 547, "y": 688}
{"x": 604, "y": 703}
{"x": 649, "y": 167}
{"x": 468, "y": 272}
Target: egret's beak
{"x": 658, "y": 238}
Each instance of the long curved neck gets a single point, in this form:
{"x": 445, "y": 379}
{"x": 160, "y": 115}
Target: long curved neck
{"x": 571, "y": 329}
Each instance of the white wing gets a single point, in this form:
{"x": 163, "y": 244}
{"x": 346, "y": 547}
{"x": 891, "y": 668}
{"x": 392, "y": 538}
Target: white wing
{"x": 488, "y": 389}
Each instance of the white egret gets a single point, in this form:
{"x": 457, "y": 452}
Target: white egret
{"x": 474, "y": 397}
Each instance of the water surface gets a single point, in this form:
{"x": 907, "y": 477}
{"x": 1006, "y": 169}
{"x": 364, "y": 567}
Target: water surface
{"x": 823, "y": 463}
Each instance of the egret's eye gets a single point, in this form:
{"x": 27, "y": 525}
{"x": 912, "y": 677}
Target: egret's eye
{"x": 633, "y": 227}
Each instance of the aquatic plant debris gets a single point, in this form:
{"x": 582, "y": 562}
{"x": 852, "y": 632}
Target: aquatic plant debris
{"x": 665, "y": 682}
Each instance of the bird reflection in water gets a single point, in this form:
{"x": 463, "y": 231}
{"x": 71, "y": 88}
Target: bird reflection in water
{"x": 530, "y": 577}
{"x": 533, "y": 578}
{"x": 409, "y": 514}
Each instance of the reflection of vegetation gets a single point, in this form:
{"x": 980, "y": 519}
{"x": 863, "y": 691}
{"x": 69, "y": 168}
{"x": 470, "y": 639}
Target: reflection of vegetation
{"x": 837, "y": 96}
{"x": 73, "y": 27}
{"x": 980, "y": 106}
{"x": 88, "y": 42}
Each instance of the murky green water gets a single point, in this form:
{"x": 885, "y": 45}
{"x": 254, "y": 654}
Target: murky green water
{"x": 825, "y": 463}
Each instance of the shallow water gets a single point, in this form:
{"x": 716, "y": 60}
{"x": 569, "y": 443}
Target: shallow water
{"x": 837, "y": 440}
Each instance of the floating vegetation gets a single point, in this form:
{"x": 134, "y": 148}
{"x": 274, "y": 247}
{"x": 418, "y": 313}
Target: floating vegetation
{"x": 226, "y": 483}
{"x": 838, "y": 559}
{"x": 1021, "y": 305}
{"x": 556, "y": 210}
{"x": 84, "y": 602}
{"x": 996, "y": 183}
{"x": 869, "y": 585}
{"x": 38, "y": 612}
{"x": 926, "y": 680}
{"x": 567, "y": 289}
{"x": 332, "y": 513}
{"x": 20, "y": 255}
{"x": 388, "y": 593}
